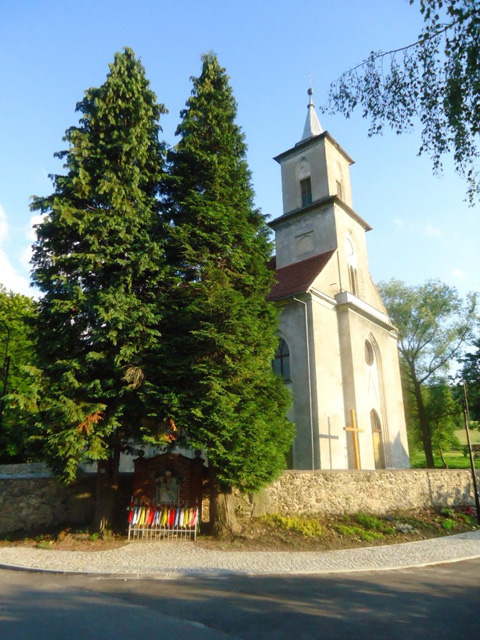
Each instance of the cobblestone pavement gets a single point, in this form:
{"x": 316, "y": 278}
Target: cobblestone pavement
{"x": 181, "y": 558}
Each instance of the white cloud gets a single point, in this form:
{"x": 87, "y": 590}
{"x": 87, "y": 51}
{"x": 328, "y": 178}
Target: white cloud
{"x": 10, "y": 278}
{"x": 430, "y": 230}
{"x": 30, "y": 235}
{"x": 458, "y": 273}
{"x": 30, "y": 230}
{"x": 26, "y": 256}
{"x": 3, "y": 225}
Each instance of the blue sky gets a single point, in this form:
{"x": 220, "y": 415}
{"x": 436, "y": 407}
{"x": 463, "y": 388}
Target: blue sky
{"x": 52, "y": 50}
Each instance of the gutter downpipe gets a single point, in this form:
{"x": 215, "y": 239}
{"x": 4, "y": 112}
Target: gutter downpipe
{"x": 307, "y": 331}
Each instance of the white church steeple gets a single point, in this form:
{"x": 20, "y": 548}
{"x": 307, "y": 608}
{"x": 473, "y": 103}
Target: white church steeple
{"x": 342, "y": 349}
{"x": 312, "y": 123}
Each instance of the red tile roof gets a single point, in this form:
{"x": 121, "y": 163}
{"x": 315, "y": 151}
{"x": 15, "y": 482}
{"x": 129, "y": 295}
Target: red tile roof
{"x": 298, "y": 277}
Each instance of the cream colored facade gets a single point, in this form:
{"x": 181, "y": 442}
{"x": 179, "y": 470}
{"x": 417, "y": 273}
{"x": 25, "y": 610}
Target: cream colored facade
{"x": 342, "y": 346}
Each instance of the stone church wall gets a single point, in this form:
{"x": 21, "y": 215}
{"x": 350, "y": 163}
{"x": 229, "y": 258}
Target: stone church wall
{"x": 378, "y": 492}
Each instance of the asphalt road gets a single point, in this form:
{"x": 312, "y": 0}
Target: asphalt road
{"x": 430, "y": 602}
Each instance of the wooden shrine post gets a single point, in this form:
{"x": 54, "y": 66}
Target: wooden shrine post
{"x": 354, "y": 430}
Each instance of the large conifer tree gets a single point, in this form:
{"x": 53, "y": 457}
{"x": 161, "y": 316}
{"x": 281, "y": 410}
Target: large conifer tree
{"x": 99, "y": 261}
{"x": 222, "y": 331}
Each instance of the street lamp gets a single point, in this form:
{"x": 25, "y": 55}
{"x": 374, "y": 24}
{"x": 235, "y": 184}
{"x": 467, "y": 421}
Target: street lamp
{"x": 6, "y": 365}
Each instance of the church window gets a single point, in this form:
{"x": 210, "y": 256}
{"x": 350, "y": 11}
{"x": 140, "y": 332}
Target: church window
{"x": 281, "y": 362}
{"x": 369, "y": 353}
{"x": 352, "y": 264}
{"x": 377, "y": 440}
{"x": 352, "y": 274}
{"x": 339, "y": 190}
{"x": 306, "y": 191}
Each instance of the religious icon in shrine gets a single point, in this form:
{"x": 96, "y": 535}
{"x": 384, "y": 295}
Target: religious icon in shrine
{"x": 168, "y": 488}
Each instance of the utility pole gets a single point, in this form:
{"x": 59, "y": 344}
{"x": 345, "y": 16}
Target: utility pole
{"x": 466, "y": 416}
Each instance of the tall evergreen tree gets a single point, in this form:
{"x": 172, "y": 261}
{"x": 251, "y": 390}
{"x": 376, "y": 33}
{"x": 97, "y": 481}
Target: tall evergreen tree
{"x": 221, "y": 333}
{"x": 99, "y": 261}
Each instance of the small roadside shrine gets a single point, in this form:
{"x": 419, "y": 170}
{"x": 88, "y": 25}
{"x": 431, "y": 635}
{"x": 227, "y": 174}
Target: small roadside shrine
{"x": 167, "y": 497}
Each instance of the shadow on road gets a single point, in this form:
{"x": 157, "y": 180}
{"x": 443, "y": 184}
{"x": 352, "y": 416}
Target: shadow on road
{"x": 435, "y": 602}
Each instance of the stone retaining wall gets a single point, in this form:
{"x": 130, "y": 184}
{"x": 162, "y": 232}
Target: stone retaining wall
{"x": 31, "y": 498}
{"x": 379, "y": 492}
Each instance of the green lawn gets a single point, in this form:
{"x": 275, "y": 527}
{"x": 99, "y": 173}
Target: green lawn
{"x": 474, "y": 436}
{"x": 454, "y": 460}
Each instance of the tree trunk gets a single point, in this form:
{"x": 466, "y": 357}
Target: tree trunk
{"x": 444, "y": 462}
{"x": 222, "y": 513}
{"x": 424, "y": 426}
{"x": 107, "y": 491}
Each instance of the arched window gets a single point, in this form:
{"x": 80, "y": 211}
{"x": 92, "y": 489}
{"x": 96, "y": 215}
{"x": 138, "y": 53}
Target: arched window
{"x": 306, "y": 191}
{"x": 369, "y": 353}
{"x": 281, "y": 362}
{"x": 304, "y": 177}
{"x": 352, "y": 276}
{"x": 339, "y": 181}
{"x": 352, "y": 264}
{"x": 377, "y": 439}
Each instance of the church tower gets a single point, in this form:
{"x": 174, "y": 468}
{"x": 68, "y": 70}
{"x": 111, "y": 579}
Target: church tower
{"x": 338, "y": 349}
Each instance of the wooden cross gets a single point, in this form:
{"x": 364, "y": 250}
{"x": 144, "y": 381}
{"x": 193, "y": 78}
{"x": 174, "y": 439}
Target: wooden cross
{"x": 330, "y": 438}
{"x": 354, "y": 430}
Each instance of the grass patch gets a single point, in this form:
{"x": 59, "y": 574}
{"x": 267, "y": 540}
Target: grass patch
{"x": 44, "y": 544}
{"x": 355, "y": 532}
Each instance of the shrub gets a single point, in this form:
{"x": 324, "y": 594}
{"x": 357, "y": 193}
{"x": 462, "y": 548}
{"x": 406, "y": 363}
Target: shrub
{"x": 351, "y": 531}
{"x": 370, "y": 522}
{"x": 308, "y": 527}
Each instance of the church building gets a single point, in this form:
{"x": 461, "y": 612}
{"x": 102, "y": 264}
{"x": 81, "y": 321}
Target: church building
{"x": 338, "y": 349}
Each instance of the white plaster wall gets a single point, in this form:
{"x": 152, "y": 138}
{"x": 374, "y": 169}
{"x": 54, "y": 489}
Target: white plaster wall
{"x": 347, "y": 226}
{"x": 315, "y": 156}
{"x": 338, "y": 168}
{"x": 292, "y": 329}
{"x": 330, "y": 409}
{"x": 320, "y": 223}
{"x": 355, "y": 328}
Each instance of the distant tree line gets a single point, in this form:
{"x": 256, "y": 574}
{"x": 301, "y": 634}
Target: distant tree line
{"x": 437, "y": 332}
